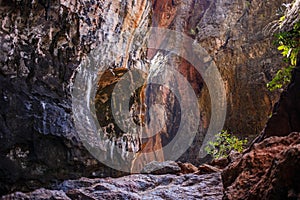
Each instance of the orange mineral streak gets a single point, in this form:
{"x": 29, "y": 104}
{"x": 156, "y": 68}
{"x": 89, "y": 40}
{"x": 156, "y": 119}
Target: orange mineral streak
{"x": 151, "y": 146}
{"x": 132, "y": 20}
{"x": 109, "y": 77}
{"x": 164, "y": 12}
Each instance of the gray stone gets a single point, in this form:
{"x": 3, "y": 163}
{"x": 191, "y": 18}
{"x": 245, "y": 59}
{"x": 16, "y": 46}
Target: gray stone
{"x": 167, "y": 167}
{"x": 139, "y": 186}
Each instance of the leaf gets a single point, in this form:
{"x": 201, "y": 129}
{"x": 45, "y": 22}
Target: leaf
{"x": 224, "y": 143}
{"x": 281, "y": 47}
{"x": 282, "y": 18}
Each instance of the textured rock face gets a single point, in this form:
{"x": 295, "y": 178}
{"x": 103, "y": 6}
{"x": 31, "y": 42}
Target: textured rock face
{"x": 286, "y": 115}
{"x": 173, "y": 15}
{"x": 233, "y": 33}
{"x": 167, "y": 167}
{"x": 42, "y": 43}
{"x": 188, "y": 186}
{"x": 269, "y": 171}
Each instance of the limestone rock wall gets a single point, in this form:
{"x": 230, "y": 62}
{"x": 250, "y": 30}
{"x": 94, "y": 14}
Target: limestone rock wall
{"x": 234, "y": 33}
{"x": 42, "y": 44}
{"x": 285, "y": 116}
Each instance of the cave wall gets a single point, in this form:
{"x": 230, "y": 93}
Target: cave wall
{"x": 286, "y": 113}
{"x": 236, "y": 36}
{"x": 42, "y": 45}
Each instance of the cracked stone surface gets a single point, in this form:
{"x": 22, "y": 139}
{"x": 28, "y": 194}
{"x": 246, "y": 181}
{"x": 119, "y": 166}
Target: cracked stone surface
{"x": 188, "y": 186}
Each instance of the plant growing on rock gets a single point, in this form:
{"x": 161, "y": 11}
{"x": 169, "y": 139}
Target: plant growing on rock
{"x": 224, "y": 143}
{"x": 288, "y": 42}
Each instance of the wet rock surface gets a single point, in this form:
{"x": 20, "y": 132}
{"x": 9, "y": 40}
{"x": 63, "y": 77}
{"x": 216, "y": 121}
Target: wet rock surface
{"x": 269, "y": 171}
{"x": 189, "y": 186}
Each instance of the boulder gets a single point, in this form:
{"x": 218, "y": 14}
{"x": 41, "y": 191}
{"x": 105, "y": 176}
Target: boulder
{"x": 207, "y": 169}
{"x": 167, "y": 167}
{"x": 220, "y": 162}
{"x": 187, "y": 168}
{"x": 270, "y": 170}
{"x": 41, "y": 194}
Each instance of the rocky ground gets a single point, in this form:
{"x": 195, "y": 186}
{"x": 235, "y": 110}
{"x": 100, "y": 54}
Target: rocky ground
{"x": 269, "y": 170}
{"x": 160, "y": 180}
{"x": 139, "y": 186}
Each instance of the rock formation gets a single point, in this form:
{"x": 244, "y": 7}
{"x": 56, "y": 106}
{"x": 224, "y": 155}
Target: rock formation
{"x": 167, "y": 167}
{"x": 189, "y": 186}
{"x": 235, "y": 36}
{"x": 286, "y": 116}
{"x": 269, "y": 171}
{"x": 42, "y": 45}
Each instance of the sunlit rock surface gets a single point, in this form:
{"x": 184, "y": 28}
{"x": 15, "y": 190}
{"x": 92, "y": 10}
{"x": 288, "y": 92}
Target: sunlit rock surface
{"x": 269, "y": 169}
{"x": 236, "y": 36}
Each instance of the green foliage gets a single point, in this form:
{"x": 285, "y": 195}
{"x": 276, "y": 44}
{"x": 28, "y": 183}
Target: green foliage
{"x": 224, "y": 143}
{"x": 282, "y": 78}
{"x": 192, "y": 31}
{"x": 289, "y": 44}
{"x": 282, "y": 18}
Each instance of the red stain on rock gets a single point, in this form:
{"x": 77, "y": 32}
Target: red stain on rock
{"x": 164, "y": 12}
